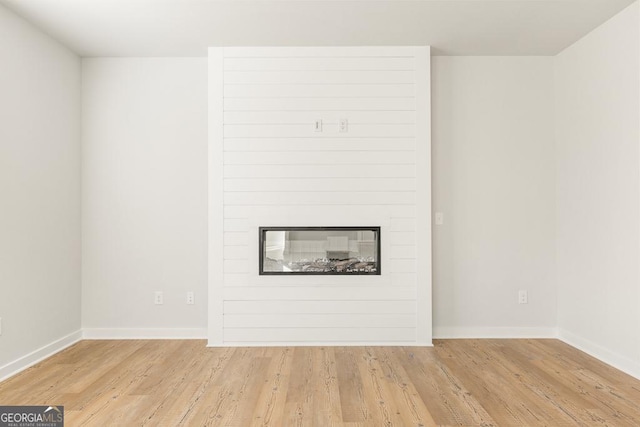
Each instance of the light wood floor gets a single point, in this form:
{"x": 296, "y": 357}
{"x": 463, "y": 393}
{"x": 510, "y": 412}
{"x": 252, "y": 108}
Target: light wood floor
{"x": 457, "y": 383}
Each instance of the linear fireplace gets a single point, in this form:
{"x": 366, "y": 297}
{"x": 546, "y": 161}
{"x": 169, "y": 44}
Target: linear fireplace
{"x": 319, "y": 250}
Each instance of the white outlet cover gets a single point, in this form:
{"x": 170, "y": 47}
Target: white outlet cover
{"x": 158, "y": 298}
{"x": 344, "y": 126}
{"x": 523, "y": 297}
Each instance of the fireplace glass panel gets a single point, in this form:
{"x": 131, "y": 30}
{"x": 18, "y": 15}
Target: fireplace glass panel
{"x": 319, "y": 250}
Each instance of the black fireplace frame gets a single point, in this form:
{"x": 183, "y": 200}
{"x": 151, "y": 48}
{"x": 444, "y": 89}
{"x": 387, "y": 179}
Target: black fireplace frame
{"x": 262, "y": 242}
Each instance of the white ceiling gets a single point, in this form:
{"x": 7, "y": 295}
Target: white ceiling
{"x": 187, "y": 27}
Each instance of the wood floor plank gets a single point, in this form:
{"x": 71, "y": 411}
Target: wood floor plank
{"x": 232, "y": 388}
{"x": 168, "y": 368}
{"x": 326, "y": 403}
{"x": 301, "y": 394}
{"x": 568, "y": 359}
{"x": 173, "y": 404}
{"x": 456, "y": 383}
{"x": 219, "y": 393}
{"x": 485, "y": 378}
{"x": 385, "y": 410}
{"x": 613, "y": 395}
{"x": 250, "y": 388}
{"x": 99, "y": 363}
{"x": 411, "y": 407}
{"x": 558, "y": 402}
{"x": 353, "y": 405}
{"x": 559, "y": 392}
{"x": 61, "y": 373}
{"x": 197, "y": 389}
{"x": 119, "y": 379}
{"x": 270, "y": 406}
{"x": 444, "y": 395}
{"x": 121, "y": 410}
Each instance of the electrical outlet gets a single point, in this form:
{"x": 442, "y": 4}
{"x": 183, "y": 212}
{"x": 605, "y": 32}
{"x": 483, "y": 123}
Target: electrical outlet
{"x": 344, "y": 126}
{"x": 190, "y": 298}
{"x": 523, "y": 297}
{"x": 439, "y": 218}
{"x": 159, "y": 298}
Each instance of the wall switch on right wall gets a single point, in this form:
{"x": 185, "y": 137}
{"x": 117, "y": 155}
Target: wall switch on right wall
{"x": 523, "y": 297}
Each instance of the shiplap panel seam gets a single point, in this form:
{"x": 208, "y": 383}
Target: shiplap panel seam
{"x": 320, "y": 307}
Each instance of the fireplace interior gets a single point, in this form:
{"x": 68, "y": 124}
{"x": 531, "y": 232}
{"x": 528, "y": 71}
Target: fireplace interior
{"x": 319, "y": 250}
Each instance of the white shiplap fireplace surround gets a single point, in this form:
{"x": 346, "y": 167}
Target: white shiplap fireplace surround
{"x": 270, "y": 166}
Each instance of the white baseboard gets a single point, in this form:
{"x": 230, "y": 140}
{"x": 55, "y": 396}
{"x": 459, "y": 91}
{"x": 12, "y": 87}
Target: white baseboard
{"x": 319, "y": 344}
{"x": 442, "y": 332}
{"x": 142, "y": 333}
{"x": 604, "y": 355}
{"x": 19, "y": 365}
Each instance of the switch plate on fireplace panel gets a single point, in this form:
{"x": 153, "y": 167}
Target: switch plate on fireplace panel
{"x": 190, "y": 298}
{"x": 523, "y": 297}
{"x": 159, "y": 298}
{"x": 439, "y": 218}
{"x": 318, "y": 125}
{"x": 344, "y": 126}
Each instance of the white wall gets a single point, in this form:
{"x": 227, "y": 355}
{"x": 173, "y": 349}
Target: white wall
{"x": 493, "y": 178}
{"x": 144, "y": 196}
{"x": 493, "y": 172}
{"x": 270, "y": 168}
{"x": 596, "y": 83}
{"x": 39, "y": 194}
